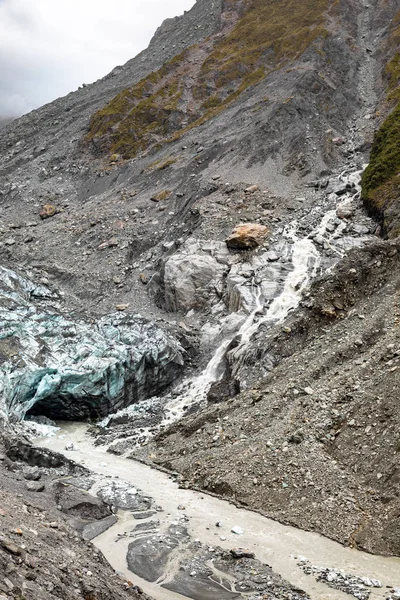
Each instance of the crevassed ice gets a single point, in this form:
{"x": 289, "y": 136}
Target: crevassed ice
{"x": 73, "y": 369}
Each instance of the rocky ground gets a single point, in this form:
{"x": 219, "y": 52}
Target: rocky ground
{"x": 42, "y": 553}
{"x": 316, "y": 442}
{"x": 304, "y": 426}
{"x": 48, "y": 517}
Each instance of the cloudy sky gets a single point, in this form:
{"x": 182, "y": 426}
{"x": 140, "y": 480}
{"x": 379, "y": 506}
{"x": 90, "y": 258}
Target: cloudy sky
{"x": 50, "y": 47}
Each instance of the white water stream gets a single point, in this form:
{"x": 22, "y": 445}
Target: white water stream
{"x": 272, "y": 543}
{"x": 305, "y": 260}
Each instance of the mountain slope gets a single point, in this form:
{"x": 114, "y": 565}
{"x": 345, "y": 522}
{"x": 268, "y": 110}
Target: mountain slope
{"x": 122, "y": 195}
{"x": 299, "y": 121}
{"x": 315, "y": 444}
{"x": 381, "y": 180}
{"x": 256, "y": 39}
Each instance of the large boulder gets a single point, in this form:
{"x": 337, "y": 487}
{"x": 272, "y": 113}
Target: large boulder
{"x": 79, "y": 503}
{"x": 192, "y": 276}
{"x": 247, "y": 236}
{"x": 64, "y": 369}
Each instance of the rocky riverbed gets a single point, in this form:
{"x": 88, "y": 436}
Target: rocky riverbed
{"x": 176, "y": 543}
{"x": 42, "y": 554}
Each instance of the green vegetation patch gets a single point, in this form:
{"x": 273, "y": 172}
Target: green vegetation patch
{"x": 270, "y": 32}
{"x": 139, "y": 115}
{"x": 381, "y": 179}
{"x": 266, "y": 35}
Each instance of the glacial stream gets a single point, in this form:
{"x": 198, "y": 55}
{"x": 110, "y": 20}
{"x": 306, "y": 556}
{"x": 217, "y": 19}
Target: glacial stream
{"x": 277, "y": 545}
{"x": 169, "y": 549}
{"x": 305, "y": 261}
{"x": 155, "y": 551}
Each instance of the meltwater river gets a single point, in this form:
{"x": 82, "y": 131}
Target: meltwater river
{"x": 283, "y": 548}
{"x": 274, "y": 544}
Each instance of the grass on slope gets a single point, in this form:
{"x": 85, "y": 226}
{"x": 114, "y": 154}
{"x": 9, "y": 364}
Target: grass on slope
{"x": 267, "y": 35}
{"x": 381, "y": 179}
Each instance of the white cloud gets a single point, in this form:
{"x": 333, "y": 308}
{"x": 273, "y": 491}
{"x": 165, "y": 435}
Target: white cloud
{"x": 49, "y": 47}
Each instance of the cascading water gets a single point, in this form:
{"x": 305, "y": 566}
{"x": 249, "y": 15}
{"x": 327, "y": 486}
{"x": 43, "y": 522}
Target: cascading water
{"x": 265, "y": 309}
{"x": 192, "y": 391}
{"x": 305, "y": 260}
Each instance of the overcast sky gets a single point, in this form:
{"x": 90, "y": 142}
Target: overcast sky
{"x": 50, "y": 47}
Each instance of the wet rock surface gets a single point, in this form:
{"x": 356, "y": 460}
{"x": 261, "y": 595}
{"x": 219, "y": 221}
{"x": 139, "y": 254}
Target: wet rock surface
{"x": 41, "y": 556}
{"x": 123, "y": 495}
{"x": 189, "y": 568}
{"x": 359, "y": 587}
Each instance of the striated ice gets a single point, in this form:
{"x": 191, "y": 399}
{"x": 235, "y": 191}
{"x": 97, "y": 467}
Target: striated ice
{"x": 67, "y": 369}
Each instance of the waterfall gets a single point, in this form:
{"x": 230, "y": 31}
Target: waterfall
{"x": 305, "y": 260}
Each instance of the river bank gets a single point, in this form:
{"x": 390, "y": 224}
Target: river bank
{"x": 279, "y": 546}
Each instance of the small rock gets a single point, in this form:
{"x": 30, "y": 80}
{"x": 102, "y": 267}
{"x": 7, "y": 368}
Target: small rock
{"x": 272, "y": 256}
{"x": 247, "y": 236}
{"x": 10, "y": 242}
{"x": 34, "y": 486}
{"x": 251, "y": 189}
{"x": 309, "y": 391}
{"x": 122, "y": 307}
{"x": 11, "y": 547}
{"x": 32, "y": 473}
{"x": 108, "y": 244}
{"x": 242, "y": 553}
{"x": 360, "y": 229}
{"x": 237, "y": 530}
{"x": 48, "y": 210}
{"x": 296, "y": 438}
{"x": 345, "y": 210}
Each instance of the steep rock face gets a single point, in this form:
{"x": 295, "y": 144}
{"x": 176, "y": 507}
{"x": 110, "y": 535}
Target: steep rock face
{"x": 65, "y": 369}
{"x": 189, "y": 281}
